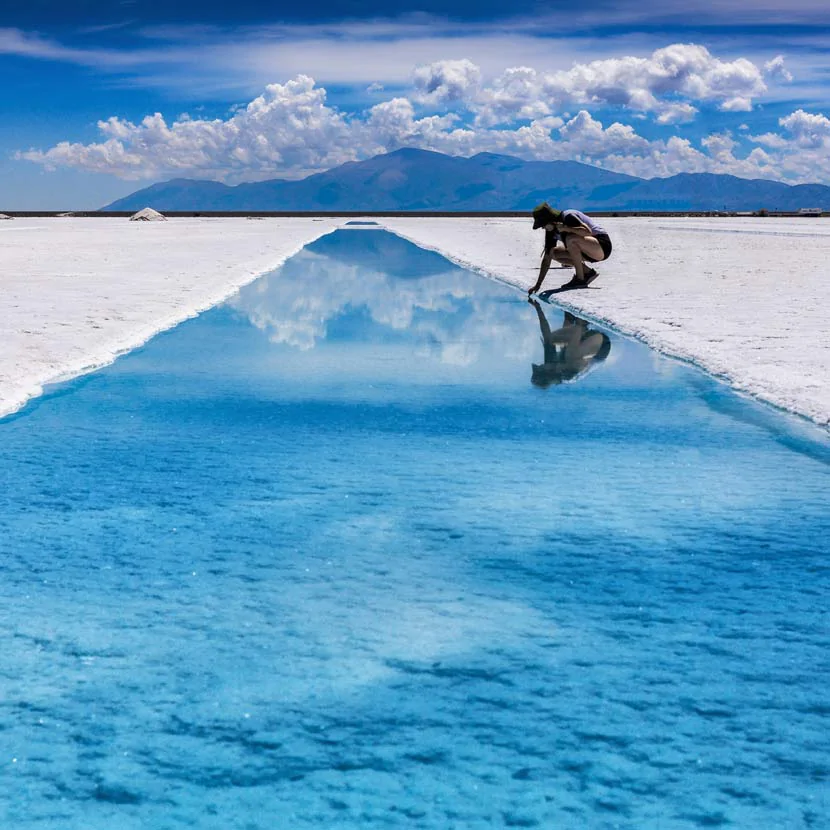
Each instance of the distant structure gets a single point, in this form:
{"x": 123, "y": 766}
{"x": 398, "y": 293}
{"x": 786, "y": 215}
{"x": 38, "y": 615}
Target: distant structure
{"x": 148, "y": 215}
{"x": 810, "y": 212}
{"x": 5, "y": 216}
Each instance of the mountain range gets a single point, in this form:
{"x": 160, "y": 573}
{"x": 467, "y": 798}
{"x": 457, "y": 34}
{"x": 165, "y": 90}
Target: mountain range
{"x": 422, "y": 180}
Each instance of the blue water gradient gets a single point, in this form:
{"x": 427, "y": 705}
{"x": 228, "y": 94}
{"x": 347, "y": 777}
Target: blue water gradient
{"x": 326, "y": 557}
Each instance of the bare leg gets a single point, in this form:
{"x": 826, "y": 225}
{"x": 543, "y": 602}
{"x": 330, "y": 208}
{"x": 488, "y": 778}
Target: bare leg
{"x": 578, "y": 246}
{"x": 562, "y": 256}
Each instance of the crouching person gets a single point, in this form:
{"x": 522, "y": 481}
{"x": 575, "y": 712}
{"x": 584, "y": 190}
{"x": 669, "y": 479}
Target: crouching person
{"x": 574, "y": 240}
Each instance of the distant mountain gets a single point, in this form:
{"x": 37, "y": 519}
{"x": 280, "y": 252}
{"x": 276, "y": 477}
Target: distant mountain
{"x": 420, "y": 180}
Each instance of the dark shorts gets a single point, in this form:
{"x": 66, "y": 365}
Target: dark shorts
{"x": 604, "y": 243}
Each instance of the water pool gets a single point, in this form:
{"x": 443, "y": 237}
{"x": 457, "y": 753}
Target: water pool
{"x": 356, "y": 549}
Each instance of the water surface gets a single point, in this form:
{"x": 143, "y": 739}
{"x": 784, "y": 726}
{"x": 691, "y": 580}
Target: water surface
{"x": 338, "y": 553}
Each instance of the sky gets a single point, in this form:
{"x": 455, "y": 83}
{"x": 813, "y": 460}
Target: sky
{"x": 103, "y": 97}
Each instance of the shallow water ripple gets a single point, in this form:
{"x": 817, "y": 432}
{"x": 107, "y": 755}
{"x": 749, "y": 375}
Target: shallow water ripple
{"x": 251, "y": 585}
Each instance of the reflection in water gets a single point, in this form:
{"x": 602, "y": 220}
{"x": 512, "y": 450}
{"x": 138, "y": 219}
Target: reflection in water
{"x": 569, "y": 351}
{"x": 374, "y": 286}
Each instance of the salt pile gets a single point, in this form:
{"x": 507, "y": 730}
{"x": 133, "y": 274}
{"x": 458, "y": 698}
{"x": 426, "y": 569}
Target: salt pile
{"x": 5, "y": 216}
{"x": 148, "y": 215}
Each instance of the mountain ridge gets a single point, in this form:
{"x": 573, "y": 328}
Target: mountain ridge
{"x": 425, "y": 180}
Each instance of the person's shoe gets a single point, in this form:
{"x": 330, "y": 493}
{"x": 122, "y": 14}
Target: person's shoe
{"x": 590, "y": 275}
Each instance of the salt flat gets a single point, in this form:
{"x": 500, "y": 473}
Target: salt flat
{"x": 74, "y": 292}
{"x": 747, "y": 299}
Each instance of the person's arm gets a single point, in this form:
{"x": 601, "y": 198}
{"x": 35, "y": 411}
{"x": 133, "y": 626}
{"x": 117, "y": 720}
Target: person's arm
{"x": 551, "y": 238}
{"x": 578, "y": 230}
{"x": 543, "y": 270}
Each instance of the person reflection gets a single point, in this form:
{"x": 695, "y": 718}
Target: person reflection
{"x": 569, "y": 351}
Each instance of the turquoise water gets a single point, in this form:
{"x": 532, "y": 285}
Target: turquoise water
{"x": 356, "y": 549}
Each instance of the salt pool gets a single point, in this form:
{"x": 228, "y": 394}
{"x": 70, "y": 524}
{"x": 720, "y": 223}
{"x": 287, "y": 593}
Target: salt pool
{"x": 355, "y": 549}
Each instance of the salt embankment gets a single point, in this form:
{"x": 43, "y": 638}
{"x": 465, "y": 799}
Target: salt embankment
{"x": 75, "y": 293}
{"x": 747, "y": 299}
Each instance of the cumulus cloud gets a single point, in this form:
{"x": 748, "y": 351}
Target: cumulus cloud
{"x": 444, "y": 82}
{"x": 515, "y": 94}
{"x": 664, "y": 83}
{"x": 808, "y": 130}
{"x": 586, "y": 138}
{"x": 291, "y": 129}
{"x": 801, "y": 153}
{"x": 393, "y": 124}
{"x": 288, "y": 128}
{"x": 682, "y": 70}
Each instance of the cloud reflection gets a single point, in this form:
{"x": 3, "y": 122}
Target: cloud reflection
{"x": 399, "y": 290}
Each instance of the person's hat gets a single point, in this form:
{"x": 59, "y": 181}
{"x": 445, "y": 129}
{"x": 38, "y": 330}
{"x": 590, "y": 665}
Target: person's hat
{"x": 544, "y": 214}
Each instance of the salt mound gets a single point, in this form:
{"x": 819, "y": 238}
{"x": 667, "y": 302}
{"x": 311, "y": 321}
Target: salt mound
{"x": 5, "y": 216}
{"x": 148, "y": 215}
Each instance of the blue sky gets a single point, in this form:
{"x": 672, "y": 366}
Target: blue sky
{"x": 101, "y": 98}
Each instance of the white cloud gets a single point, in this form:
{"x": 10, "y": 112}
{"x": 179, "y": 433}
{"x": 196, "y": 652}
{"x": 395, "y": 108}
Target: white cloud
{"x": 393, "y": 124}
{"x": 772, "y": 140}
{"x": 807, "y": 129}
{"x": 445, "y": 82}
{"x": 679, "y": 113}
{"x": 802, "y": 152}
{"x": 664, "y": 84}
{"x": 291, "y": 129}
{"x": 586, "y": 138}
{"x": 682, "y": 70}
{"x": 515, "y": 94}
{"x": 775, "y": 69}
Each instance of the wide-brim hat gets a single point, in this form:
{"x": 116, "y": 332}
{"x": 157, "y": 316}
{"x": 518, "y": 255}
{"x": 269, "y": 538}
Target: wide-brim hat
{"x": 544, "y": 214}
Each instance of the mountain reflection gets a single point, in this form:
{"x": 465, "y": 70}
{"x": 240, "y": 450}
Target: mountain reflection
{"x": 569, "y": 351}
{"x": 373, "y": 286}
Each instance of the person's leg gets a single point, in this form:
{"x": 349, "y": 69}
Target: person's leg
{"x": 581, "y": 248}
{"x": 562, "y": 256}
